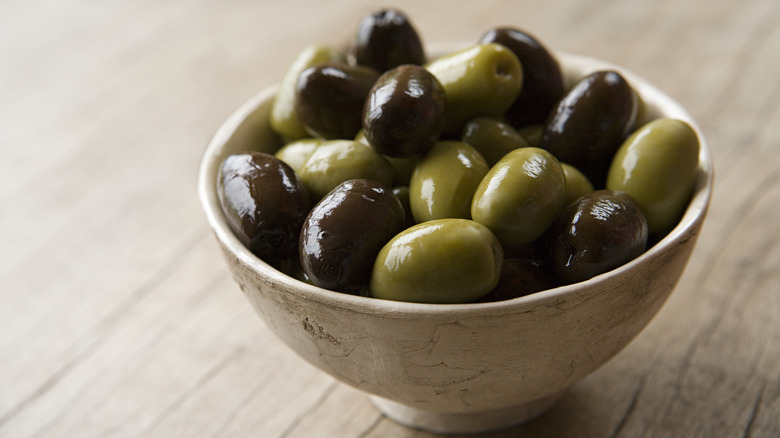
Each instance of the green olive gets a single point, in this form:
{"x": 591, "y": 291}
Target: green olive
{"x": 440, "y": 261}
{"x": 403, "y": 167}
{"x": 402, "y": 193}
{"x": 521, "y": 196}
{"x": 577, "y": 183}
{"x": 444, "y": 181}
{"x": 284, "y": 120}
{"x": 492, "y": 137}
{"x": 295, "y": 153}
{"x": 481, "y": 80}
{"x": 336, "y": 161}
{"x": 657, "y": 166}
{"x": 542, "y": 77}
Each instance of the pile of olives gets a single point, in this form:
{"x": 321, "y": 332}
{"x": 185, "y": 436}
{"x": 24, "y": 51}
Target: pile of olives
{"x": 477, "y": 176}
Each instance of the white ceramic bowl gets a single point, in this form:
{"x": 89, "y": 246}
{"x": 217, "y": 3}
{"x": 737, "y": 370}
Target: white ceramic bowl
{"x": 463, "y": 368}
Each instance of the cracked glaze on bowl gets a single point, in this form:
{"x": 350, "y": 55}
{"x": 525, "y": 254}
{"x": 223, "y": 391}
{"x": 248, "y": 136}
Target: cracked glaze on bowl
{"x": 427, "y": 364}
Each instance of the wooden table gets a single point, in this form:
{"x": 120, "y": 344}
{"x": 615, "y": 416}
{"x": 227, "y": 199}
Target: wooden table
{"x": 117, "y": 313}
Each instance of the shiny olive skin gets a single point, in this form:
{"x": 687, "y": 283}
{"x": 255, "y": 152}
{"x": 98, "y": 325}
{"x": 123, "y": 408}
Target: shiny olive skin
{"x": 521, "y": 276}
{"x": 597, "y": 233}
{"x": 542, "y": 77}
{"x": 403, "y": 167}
{"x": 344, "y": 232}
{"x": 492, "y": 137}
{"x": 521, "y": 196}
{"x": 336, "y": 161}
{"x": 441, "y": 261}
{"x": 480, "y": 80}
{"x": 386, "y": 39}
{"x": 404, "y": 112}
{"x": 296, "y": 152}
{"x": 577, "y": 183}
{"x": 402, "y": 193}
{"x": 264, "y": 204}
{"x": 284, "y": 120}
{"x": 657, "y": 166}
{"x": 329, "y": 98}
{"x": 590, "y": 122}
{"x": 444, "y": 181}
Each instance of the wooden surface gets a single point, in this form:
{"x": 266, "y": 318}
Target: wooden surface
{"x": 117, "y": 314}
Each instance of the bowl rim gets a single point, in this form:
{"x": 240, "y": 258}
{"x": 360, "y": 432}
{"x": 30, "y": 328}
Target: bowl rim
{"x": 573, "y": 65}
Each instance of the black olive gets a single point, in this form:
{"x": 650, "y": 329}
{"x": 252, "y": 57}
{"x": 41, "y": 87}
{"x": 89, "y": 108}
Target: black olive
{"x": 521, "y": 276}
{"x": 344, "y": 232}
{"x": 386, "y": 39}
{"x": 590, "y": 123}
{"x": 329, "y": 98}
{"x": 264, "y": 204}
{"x": 404, "y": 112}
{"x": 595, "y": 234}
{"x": 542, "y": 77}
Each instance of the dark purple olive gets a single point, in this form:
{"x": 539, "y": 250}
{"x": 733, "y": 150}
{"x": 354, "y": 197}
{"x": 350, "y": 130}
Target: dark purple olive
{"x": 386, "y": 39}
{"x": 542, "y": 77}
{"x": 521, "y": 276}
{"x": 590, "y": 123}
{"x": 404, "y": 112}
{"x": 264, "y": 204}
{"x": 329, "y": 99}
{"x": 344, "y": 232}
{"x": 595, "y": 234}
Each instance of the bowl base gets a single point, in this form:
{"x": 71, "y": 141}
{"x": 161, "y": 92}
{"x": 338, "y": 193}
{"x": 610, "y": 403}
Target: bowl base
{"x": 465, "y": 423}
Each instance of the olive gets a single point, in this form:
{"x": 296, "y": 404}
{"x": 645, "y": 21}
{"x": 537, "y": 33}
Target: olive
{"x": 404, "y": 112}
{"x": 344, "y": 232}
{"x": 264, "y": 203}
{"x": 441, "y": 261}
{"x": 532, "y": 134}
{"x": 657, "y": 166}
{"x": 329, "y": 98}
{"x": 492, "y": 137}
{"x": 386, "y": 39}
{"x": 521, "y": 196}
{"x": 590, "y": 122}
{"x": 577, "y": 184}
{"x": 336, "y": 161}
{"x": 521, "y": 276}
{"x": 444, "y": 181}
{"x": 480, "y": 80}
{"x": 403, "y": 167}
{"x": 295, "y": 153}
{"x": 595, "y": 234}
{"x": 284, "y": 120}
{"x": 542, "y": 77}
{"x": 402, "y": 193}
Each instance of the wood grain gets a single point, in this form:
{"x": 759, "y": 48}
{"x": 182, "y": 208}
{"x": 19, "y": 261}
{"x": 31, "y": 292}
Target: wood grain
{"x": 117, "y": 314}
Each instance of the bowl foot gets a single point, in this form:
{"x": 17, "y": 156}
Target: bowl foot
{"x": 464, "y": 423}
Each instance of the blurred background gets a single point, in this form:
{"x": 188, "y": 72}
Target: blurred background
{"x": 118, "y": 317}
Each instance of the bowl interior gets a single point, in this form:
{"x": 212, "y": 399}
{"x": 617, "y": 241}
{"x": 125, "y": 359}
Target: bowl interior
{"x": 248, "y": 129}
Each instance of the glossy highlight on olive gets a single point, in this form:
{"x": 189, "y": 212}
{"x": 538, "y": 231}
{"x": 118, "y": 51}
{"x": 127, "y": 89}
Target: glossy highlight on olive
{"x": 344, "y": 232}
{"x": 264, "y": 203}
{"x": 329, "y": 98}
{"x": 404, "y": 112}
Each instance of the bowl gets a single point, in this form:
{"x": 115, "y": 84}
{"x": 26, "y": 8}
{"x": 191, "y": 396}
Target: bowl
{"x": 464, "y": 368}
